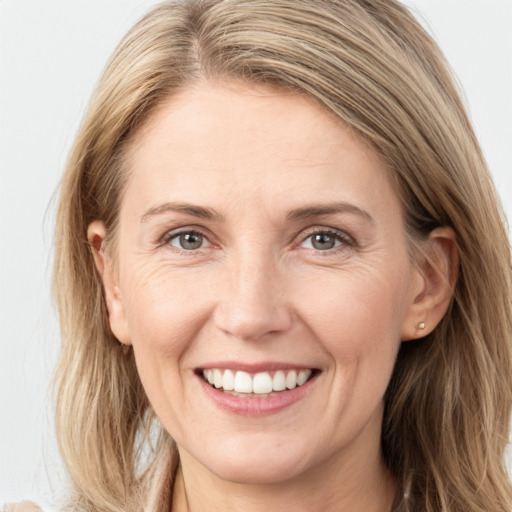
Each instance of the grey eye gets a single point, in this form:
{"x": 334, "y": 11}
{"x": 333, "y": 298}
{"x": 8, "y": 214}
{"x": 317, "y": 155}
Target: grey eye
{"x": 189, "y": 240}
{"x": 322, "y": 241}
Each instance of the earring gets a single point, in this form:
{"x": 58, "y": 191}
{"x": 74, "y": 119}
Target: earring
{"x": 421, "y": 326}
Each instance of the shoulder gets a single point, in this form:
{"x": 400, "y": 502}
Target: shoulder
{"x": 22, "y": 506}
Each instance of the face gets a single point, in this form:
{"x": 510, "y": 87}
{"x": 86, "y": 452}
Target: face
{"x": 264, "y": 281}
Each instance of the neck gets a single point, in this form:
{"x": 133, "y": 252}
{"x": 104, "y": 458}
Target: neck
{"x": 362, "y": 484}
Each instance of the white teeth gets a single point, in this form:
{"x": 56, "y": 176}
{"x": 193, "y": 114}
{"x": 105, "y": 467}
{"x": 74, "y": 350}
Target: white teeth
{"x": 303, "y": 377}
{"x": 217, "y": 378}
{"x": 279, "y": 381}
{"x": 243, "y": 382}
{"x": 291, "y": 379}
{"x": 229, "y": 380}
{"x": 261, "y": 383}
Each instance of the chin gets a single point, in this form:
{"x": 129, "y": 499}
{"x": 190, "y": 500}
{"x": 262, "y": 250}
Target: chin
{"x": 255, "y": 464}
{"x": 243, "y": 472}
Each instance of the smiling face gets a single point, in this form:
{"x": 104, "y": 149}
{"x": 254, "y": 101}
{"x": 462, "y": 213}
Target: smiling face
{"x": 261, "y": 246}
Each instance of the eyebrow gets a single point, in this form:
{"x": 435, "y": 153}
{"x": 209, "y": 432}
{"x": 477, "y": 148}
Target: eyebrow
{"x": 308, "y": 212}
{"x": 201, "y": 212}
{"x": 302, "y": 213}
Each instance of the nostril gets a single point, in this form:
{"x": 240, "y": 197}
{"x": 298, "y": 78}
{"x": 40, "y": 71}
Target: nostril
{"x": 253, "y": 324}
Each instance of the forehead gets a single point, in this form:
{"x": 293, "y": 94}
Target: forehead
{"x": 251, "y": 143}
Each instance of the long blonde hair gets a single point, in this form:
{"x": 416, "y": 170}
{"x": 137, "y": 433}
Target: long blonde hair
{"x": 370, "y": 63}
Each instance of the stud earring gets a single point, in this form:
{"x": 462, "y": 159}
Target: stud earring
{"x": 421, "y": 325}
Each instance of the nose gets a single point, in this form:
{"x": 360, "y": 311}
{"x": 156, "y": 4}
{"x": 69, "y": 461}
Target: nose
{"x": 252, "y": 302}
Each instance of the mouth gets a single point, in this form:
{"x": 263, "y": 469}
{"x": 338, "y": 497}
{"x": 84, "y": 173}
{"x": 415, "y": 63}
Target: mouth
{"x": 256, "y": 385}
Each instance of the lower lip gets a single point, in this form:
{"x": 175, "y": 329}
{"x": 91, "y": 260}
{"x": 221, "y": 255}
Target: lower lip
{"x": 252, "y": 406}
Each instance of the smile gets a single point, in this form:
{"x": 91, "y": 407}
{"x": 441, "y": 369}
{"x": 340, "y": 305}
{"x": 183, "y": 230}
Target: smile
{"x": 257, "y": 385}
{"x": 259, "y": 389}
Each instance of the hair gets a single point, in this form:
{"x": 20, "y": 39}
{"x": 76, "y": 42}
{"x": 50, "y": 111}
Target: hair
{"x": 370, "y": 63}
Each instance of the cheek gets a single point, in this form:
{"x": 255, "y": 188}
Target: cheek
{"x": 357, "y": 315}
{"x": 164, "y": 314}
{"x": 164, "y": 305}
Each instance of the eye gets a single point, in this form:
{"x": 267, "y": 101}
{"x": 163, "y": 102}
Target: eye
{"x": 325, "y": 240}
{"x": 188, "y": 240}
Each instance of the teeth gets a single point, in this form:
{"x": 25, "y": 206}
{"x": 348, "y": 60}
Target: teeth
{"x": 279, "y": 381}
{"x": 229, "y": 380}
{"x": 243, "y": 382}
{"x": 261, "y": 383}
{"x": 291, "y": 379}
{"x": 303, "y": 377}
{"x": 217, "y": 378}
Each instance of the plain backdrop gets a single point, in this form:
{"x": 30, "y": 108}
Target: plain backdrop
{"x": 51, "y": 54}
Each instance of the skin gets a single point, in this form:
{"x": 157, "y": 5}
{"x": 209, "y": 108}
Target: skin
{"x": 258, "y": 291}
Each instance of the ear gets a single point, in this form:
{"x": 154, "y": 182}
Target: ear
{"x": 433, "y": 284}
{"x": 96, "y": 234}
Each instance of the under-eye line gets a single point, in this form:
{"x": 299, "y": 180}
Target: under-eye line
{"x": 340, "y": 240}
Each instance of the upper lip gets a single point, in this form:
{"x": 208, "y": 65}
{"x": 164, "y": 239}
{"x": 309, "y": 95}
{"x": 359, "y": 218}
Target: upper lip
{"x": 255, "y": 367}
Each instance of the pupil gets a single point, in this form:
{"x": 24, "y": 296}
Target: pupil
{"x": 323, "y": 241}
{"x": 191, "y": 241}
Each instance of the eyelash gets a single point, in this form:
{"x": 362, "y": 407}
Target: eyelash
{"x": 168, "y": 237}
{"x": 345, "y": 240}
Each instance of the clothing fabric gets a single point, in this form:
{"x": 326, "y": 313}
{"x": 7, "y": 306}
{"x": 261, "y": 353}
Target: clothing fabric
{"x": 22, "y": 506}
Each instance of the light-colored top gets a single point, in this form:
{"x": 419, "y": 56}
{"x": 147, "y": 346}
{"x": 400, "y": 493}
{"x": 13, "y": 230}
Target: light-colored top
{"x": 23, "y": 506}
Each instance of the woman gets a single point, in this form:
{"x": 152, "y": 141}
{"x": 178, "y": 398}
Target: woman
{"x": 282, "y": 274}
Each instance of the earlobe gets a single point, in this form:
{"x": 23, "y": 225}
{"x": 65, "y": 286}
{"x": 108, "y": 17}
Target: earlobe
{"x": 436, "y": 276}
{"x": 96, "y": 235}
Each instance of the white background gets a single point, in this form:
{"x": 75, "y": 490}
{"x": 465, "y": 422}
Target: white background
{"x": 51, "y": 54}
